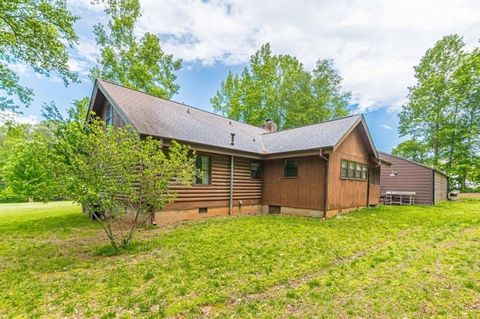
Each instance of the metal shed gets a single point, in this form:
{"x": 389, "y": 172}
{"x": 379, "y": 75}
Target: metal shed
{"x": 430, "y": 185}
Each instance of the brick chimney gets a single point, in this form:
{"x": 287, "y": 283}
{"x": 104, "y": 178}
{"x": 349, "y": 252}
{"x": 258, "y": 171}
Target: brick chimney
{"x": 269, "y": 125}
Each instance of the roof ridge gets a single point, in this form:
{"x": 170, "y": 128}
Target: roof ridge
{"x": 299, "y": 127}
{"x": 181, "y": 104}
{"x": 414, "y": 162}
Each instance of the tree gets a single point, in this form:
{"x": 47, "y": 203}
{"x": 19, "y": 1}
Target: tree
{"x": 429, "y": 107}
{"x": 278, "y": 87}
{"x": 443, "y": 110}
{"x": 76, "y": 112}
{"x": 37, "y": 33}
{"x": 114, "y": 171}
{"x": 412, "y": 150}
{"x": 138, "y": 64}
{"x": 464, "y": 138}
{"x": 24, "y": 161}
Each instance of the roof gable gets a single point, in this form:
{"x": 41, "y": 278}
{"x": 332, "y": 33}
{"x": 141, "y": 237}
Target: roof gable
{"x": 384, "y": 155}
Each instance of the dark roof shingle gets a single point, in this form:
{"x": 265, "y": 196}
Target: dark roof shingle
{"x": 151, "y": 115}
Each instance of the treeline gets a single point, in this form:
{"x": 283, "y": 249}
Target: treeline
{"x": 279, "y": 87}
{"x": 442, "y": 115}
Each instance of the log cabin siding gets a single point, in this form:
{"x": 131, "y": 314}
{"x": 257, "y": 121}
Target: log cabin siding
{"x": 411, "y": 177}
{"x": 441, "y": 187}
{"x": 304, "y": 191}
{"x": 217, "y": 193}
{"x": 347, "y": 193}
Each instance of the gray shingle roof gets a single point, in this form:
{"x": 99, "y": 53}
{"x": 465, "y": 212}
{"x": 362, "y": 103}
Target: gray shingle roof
{"x": 171, "y": 120}
{"x": 325, "y": 134}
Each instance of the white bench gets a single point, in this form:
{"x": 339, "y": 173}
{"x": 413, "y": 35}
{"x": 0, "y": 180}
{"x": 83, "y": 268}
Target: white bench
{"x": 398, "y": 198}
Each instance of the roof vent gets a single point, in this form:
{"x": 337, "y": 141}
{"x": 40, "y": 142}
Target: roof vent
{"x": 269, "y": 125}
{"x": 230, "y": 123}
{"x": 233, "y": 139}
{"x": 188, "y": 110}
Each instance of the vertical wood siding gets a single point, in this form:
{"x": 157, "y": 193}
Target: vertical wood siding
{"x": 304, "y": 191}
{"x": 344, "y": 193}
{"x": 117, "y": 120}
{"x": 441, "y": 187}
{"x": 411, "y": 177}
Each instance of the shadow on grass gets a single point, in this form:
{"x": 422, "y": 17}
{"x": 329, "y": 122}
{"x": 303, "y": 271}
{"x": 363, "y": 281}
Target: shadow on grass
{"x": 108, "y": 250}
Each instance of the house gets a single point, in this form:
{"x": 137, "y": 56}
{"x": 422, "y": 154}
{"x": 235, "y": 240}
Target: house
{"x": 315, "y": 170}
{"x": 429, "y": 184}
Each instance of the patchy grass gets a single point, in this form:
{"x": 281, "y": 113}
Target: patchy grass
{"x": 377, "y": 263}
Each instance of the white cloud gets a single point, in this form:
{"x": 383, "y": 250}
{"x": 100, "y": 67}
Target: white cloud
{"x": 83, "y": 57}
{"x": 387, "y": 127}
{"x": 374, "y": 43}
{"x": 18, "y": 118}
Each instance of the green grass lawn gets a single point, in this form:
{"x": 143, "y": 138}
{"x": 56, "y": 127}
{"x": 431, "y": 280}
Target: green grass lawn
{"x": 387, "y": 262}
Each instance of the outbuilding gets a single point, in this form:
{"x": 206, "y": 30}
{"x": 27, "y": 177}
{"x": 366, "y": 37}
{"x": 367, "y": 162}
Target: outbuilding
{"x": 403, "y": 175}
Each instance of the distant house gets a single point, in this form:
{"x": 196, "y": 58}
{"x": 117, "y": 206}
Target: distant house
{"x": 316, "y": 170}
{"x": 403, "y": 175}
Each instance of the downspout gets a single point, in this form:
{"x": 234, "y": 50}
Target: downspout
{"x": 325, "y": 187}
{"x": 230, "y": 197}
{"x": 368, "y": 187}
{"x": 230, "y": 207}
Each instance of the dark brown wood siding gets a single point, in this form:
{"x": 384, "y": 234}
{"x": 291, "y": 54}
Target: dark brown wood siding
{"x": 100, "y": 111}
{"x": 441, "y": 187}
{"x": 245, "y": 188}
{"x": 304, "y": 191}
{"x": 346, "y": 193}
{"x": 410, "y": 177}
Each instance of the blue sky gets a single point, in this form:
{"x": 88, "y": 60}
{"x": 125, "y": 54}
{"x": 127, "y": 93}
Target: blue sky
{"x": 374, "y": 45}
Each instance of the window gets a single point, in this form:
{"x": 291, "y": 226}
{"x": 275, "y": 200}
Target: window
{"x": 375, "y": 175}
{"x": 255, "y": 170}
{"x": 344, "y": 168}
{"x": 351, "y": 169}
{"x": 358, "y": 171}
{"x": 203, "y": 168}
{"x": 108, "y": 114}
{"x": 291, "y": 167}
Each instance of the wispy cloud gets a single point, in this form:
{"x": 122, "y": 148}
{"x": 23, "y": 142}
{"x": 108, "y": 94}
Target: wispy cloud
{"x": 387, "y": 127}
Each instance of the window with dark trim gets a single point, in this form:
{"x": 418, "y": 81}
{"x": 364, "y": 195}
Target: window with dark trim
{"x": 255, "y": 170}
{"x": 108, "y": 114}
{"x": 351, "y": 169}
{"x": 344, "y": 169}
{"x": 374, "y": 175}
{"x": 290, "y": 168}
{"x": 358, "y": 171}
{"x": 364, "y": 172}
{"x": 203, "y": 167}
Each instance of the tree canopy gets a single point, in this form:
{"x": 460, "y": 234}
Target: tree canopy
{"x": 279, "y": 87}
{"x": 443, "y": 110}
{"x": 37, "y": 33}
{"x": 24, "y": 162}
{"x": 139, "y": 64}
